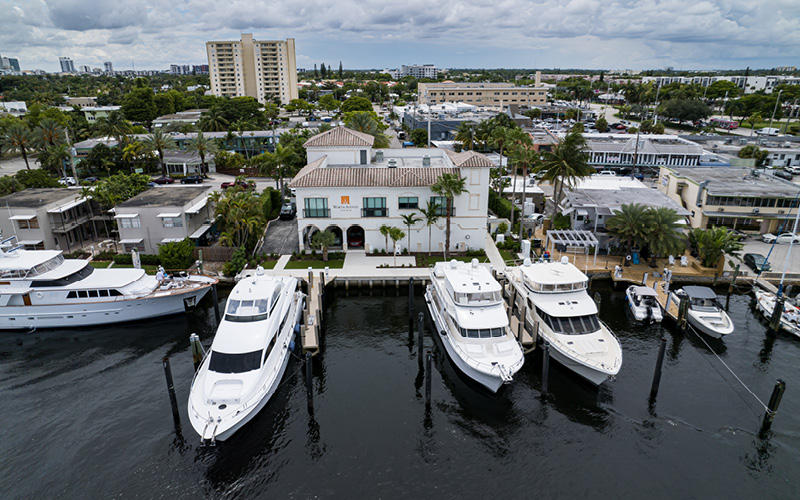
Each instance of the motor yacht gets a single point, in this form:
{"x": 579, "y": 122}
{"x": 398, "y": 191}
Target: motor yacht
{"x": 554, "y": 296}
{"x": 790, "y": 317}
{"x": 644, "y": 305}
{"x": 42, "y": 289}
{"x": 705, "y": 313}
{"x": 248, "y": 356}
{"x": 466, "y": 304}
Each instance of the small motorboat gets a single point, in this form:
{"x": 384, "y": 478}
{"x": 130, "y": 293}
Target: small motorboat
{"x": 644, "y": 305}
{"x": 790, "y": 318}
{"x": 705, "y": 313}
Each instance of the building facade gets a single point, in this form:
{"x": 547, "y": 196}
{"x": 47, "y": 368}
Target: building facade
{"x": 253, "y": 68}
{"x": 749, "y": 84}
{"x": 419, "y": 71}
{"x": 481, "y": 94}
{"x": 623, "y": 151}
{"x": 353, "y": 190}
{"x": 67, "y": 66}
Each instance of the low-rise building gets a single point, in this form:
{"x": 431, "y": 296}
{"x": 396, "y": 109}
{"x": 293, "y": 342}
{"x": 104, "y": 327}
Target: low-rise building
{"x": 738, "y": 198}
{"x": 623, "y": 151}
{"x": 783, "y": 157}
{"x": 353, "y": 190}
{"x": 190, "y": 116}
{"x": 481, "y": 94}
{"x": 164, "y": 215}
{"x": 93, "y": 113}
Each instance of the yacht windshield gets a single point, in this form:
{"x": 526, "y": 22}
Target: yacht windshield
{"x": 483, "y": 333}
{"x": 234, "y": 363}
{"x": 570, "y": 325}
{"x": 243, "y": 311}
{"x": 704, "y": 305}
{"x": 477, "y": 298}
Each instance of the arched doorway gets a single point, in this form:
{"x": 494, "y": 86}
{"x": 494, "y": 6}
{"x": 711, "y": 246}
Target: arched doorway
{"x": 308, "y": 233}
{"x": 337, "y": 232}
{"x": 355, "y": 238}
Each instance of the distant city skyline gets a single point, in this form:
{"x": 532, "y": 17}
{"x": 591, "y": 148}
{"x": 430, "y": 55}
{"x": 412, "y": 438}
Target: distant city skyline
{"x": 370, "y": 34}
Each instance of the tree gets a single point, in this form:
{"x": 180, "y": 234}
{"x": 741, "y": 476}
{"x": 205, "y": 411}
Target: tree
{"x": 565, "y": 164}
{"x": 115, "y": 189}
{"x": 176, "y": 254}
{"x": 629, "y": 224}
{"x": 419, "y": 136}
{"x": 601, "y": 124}
{"x": 646, "y": 126}
{"x": 524, "y": 155}
{"x": 712, "y": 244}
{"x": 450, "y": 186}
{"x": 664, "y": 235}
{"x": 36, "y": 178}
{"x": 431, "y": 215}
{"x": 159, "y": 141}
{"x": 356, "y": 103}
{"x": 685, "y": 109}
{"x": 385, "y": 232}
{"x": 114, "y": 125}
{"x": 54, "y": 157}
{"x": 139, "y": 106}
{"x": 328, "y": 103}
{"x": 323, "y": 240}
{"x": 366, "y": 123}
{"x": 49, "y": 133}
{"x": 752, "y": 120}
{"x": 202, "y": 145}
{"x": 396, "y": 234}
{"x": 658, "y": 128}
{"x": 240, "y": 217}
{"x": 9, "y": 183}
{"x": 465, "y": 134}
{"x": 323, "y": 71}
{"x": 720, "y": 89}
{"x": 18, "y": 137}
{"x": 213, "y": 120}
{"x": 341, "y": 73}
{"x": 409, "y": 220}
{"x": 752, "y": 151}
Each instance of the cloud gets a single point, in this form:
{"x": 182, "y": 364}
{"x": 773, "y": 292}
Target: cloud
{"x": 83, "y": 15}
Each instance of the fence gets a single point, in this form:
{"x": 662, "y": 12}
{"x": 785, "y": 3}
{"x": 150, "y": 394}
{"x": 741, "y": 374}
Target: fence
{"x": 214, "y": 254}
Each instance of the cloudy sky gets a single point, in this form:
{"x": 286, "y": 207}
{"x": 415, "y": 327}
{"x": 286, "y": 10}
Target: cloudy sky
{"x": 610, "y": 34}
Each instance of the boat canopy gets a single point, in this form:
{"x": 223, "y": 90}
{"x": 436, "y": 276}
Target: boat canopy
{"x": 644, "y": 291}
{"x": 699, "y": 292}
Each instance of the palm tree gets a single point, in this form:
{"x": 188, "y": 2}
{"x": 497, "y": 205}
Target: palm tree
{"x": 56, "y": 156}
{"x": 752, "y": 120}
{"x": 409, "y": 220}
{"x": 498, "y": 139}
{"x": 202, "y": 145}
{"x": 526, "y": 157}
{"x": 396, "y": 234}
{"x": 466, "y": 134}
{"x": 664, "y": 235}
{"x": 18, "y": 137}
{"x": 323, "y": 240}
{"x": 213, "y": 120}
{"x": 114, "y": 125}
{"x": 159, "y": 141}
{"x": 449, "y": 186}
{"x": 282, "y": 158}
{"x": 49, "y": 133}
{"x": 364, "y": 122}
{"x": 629, "y": 224}
{"x": 385, "y": 232}
{"x": 431, "y": 215}
{"x": 712, "y": 244}
{"x": 566, "y": 163}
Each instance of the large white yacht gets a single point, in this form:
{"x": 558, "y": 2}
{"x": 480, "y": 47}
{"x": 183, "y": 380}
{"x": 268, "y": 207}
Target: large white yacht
{"x": 42, "y": 289}
{"x": 248, "y": 356}
{"x": 466, "y": 304}
{"x": 555, "y": 297}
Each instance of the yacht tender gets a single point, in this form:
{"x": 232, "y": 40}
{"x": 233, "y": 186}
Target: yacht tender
{"x": 554, "y": 295}
{"x": 644, "y": 305}
{"x": 466, "y": 304}
{"x": 248, "y": 356}
{"x": 705, "y": 313}
{"x": 42, "y": 289}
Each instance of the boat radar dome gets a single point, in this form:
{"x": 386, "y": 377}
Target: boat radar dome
{"x": 474, "y": 262}
{"x": 526, "y": 262}
{"x": 565, "y": 260}
{"x": 260, "y": 271}
{"x": 454, "y": 263}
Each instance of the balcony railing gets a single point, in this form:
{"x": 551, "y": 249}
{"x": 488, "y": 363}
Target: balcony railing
{"x": 374, "y": 212}
{"x": 316, "y": 213}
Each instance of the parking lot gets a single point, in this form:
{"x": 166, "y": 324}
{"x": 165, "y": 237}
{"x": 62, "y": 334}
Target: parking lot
{"x": 777, "y": 259}
{"x": 281, "y": 237}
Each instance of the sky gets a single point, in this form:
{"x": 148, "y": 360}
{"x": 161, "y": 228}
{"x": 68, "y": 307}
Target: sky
{"x": 365, "y": 34}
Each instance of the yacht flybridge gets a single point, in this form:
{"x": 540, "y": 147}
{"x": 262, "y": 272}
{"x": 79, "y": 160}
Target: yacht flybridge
{"x": 555, "y": 297}
{"x": 248, "y": 356}
{"x": 466, "y": 304}
{"x": 42, "y": 289}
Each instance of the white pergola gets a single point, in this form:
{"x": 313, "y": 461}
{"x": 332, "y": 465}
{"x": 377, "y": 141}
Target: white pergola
{"x": 572, "y": 239}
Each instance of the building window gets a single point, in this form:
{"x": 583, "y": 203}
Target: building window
{"x": 441, "y": 205}
{"x": 316, "y": 207}
{"x": 29, "y": 224}
{"x": 374, "y": 207}
{"x": 408, "y": 202}
{"x": 130, "y": 222}
{"x": 171, "y": 222}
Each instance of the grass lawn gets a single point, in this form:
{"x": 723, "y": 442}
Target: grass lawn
{"x": 270, "y": 264}
{"x": 316, "y": 264}
{"x": 507, "y": 255}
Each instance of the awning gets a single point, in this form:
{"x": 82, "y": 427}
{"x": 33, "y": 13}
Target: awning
{"x": 197, "y": 207}
{"x": 568, "y": 211}
{"x": 22, "y": 217}
{"x": 581, "y": 211}
{"x": 168, "y": 215}
{"x": 30, "y": 242}
{"x": 171, "y": 240}
{"x": 200, "y": 231}
{"x": 126, "y": 216}
{"x": 604, "y": 211}
{"x": 699, "y": 292}
{"x": 64, "y": 208}
{"x": 131, "y": 240}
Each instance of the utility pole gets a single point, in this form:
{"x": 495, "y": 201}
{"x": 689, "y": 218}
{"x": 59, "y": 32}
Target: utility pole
{"x": 777, "y": 101}
{"x": 71, "y": 156}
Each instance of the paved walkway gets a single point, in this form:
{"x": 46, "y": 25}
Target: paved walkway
{"x": 282, "y": 262}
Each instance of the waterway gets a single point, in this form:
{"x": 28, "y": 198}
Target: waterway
{"x": 86, "y": 415}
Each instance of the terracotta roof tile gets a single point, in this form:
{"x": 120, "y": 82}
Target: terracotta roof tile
{"x": 340, "y": 136}
{"x": 313, "y": 176}
{"x": 469, "y": 159}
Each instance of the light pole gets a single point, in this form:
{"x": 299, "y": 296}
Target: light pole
{"x": 778, "y": 100}
{"x": 655, "y": 116}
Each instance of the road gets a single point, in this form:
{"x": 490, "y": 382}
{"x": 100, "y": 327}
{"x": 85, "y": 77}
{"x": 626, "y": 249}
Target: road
{"x": 281, "y": 237}
{"x": 11, "y": 166}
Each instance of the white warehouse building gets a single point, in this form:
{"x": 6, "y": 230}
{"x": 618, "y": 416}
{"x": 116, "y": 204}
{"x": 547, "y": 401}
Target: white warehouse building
{"x": 353, "y": 190}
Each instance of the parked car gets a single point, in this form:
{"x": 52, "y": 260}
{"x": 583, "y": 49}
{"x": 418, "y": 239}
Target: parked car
{"x": 288, "y": 211}
{"x": 740, "y": 236}
{"x": 242, "y": 184}
{"x": 793, "y": 169}
{"x": 781, "y": 238}
{"x": 164, "y": 180}
{"x": 192, "y": 179}
{"x": 536, "y": 218}
{"x": 91, "y": 180}
{"x": 757, "y": 262}
{"x": 782, "y": 174}
{"x": 68, "y": 181}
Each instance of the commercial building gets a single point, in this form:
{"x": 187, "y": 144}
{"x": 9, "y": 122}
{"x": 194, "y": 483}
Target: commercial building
{"x": 737, "y": 198}
{"x": 81, "y": 102}
{"x": 9, "y": 65}
{"x": 253, "y": 68}
{"x": 108, "y": 67}
{"x": 783, "y": 157}
{"x": 67, "y": 66}
{"x": 163, "y": 215}
{"x": 353, "y": 190}
{"x": 190, "y": 116}
{"x": 623, "y": 152}
{"x": 481, "y": 94}
{"x": 749, "y": 84}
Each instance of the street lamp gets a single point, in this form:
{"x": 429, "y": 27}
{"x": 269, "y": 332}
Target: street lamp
{"x": 778, "y": 100}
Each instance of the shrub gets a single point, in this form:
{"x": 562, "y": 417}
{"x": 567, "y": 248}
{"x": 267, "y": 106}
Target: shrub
{"x": 236, "y": 264}
{"x": 105, "y": 255}
{"x": 123, "y": 258}
{"x": 77, "y": 254}
{"x": 175, "y": 255}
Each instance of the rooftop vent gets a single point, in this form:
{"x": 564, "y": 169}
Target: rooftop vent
{"x": 392, "y": 162}
{"x": 378, "y": 156}
{"x": 426, "y": 161}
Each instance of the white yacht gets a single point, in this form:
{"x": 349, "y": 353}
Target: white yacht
{"x": 705, "y": 313}
{"x": 644, "y": 305}
{"x": 555, "y": 296}
{"x": 42, "y": 289}
{"x": 790, "y": 318}
{"x": 248, "y": 356}
{"x": 466, "y": 304}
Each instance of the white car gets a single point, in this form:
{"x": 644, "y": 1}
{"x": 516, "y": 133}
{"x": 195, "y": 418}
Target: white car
{"x": 781, "y": 238}
{"x": 68, "y": 181}
{"x": 536, "y": 218}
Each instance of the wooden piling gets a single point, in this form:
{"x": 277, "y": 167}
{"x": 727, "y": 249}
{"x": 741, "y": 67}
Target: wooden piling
{"x": 777, "y": 313}
{"x": 772, "y": 406}
{"x": 197, "y": 350}
{"x": 545, "y": 367}
{"x": 683, "y": 309}
{"x": 309, "y": 382}
{"x": 659, "y": 364}
{"x": 176, "y": 417}
{"x": 428, "y": 376}
{"x": 216, "y": 301}
{"x": 420, "y": 320}
{"x": 411, "y": 297}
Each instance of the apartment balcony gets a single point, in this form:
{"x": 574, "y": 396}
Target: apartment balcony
{"x": 374, "y": 212}
{"x": 58, "y": 225}
{"x": 316, "y": 213}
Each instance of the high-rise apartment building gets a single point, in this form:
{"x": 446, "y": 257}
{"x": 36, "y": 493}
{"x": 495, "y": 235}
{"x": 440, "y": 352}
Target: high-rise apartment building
{"x": 67, "y": 66}
{"x": 108, "y": 67}
{"x": 253, "y": 68}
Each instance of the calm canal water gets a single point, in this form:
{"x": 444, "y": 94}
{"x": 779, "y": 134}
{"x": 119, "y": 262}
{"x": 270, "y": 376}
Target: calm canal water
{"x": 87, "y": 415}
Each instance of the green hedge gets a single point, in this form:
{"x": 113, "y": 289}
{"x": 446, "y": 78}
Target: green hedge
{"x": 500, "y": 206}
{"x": 126, "y": 258}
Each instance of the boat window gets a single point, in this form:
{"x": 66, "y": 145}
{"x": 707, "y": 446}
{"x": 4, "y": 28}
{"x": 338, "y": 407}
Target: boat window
{"x": 243, "y": 311}
{"x": 72, "y": 278}
{"x": 45, "y": 266}
{"x": 483, "y": 333}
{"x": 476, "y": 298}
{"x": 115, "y": 293}
{"x": 72, "y": 295}
{"x": 704, "y": 305}
{"x": 269, "y": 347}
{"x": 234, "y": 363}
{"x": 82, "y": 294}
{"x": 93, "y": 293}
{"x": 103, "y": 293}
{"x": 571, "y": 325}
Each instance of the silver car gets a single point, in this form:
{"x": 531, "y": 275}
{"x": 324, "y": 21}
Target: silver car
{"x": 781, "y": 238}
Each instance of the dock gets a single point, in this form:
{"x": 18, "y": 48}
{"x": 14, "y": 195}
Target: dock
{"x": 525, "y": 330}
{"x": 311, "y": 329}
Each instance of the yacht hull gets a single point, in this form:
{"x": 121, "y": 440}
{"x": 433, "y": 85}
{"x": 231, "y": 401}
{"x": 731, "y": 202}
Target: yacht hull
{"x": 766, "y": 304}
{"x": 592, "y": 375}
{"x": 100, "y": 313}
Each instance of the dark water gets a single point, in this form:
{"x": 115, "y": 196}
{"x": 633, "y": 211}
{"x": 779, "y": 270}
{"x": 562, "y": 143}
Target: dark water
{"x": 87, "y": 415}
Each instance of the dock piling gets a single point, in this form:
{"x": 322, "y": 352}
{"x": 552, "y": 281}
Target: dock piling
{"x": 428, "y": 376}
{"x": 682, "y": 310}
{"x": 171, "y": 389}
{"x": 309, "y": 381}
{"x": 216, "y": 301}
{"x": 777, "y": 313}
{"x": 420, "y": 319}
{"x": 659, "y": 364}
{"x": 411, "y": 297}
{"x": 197, "y": 350}
{"x": 545, "y": 367}
{"x": 521, "y": 328}
{"x": 772, "y": 406}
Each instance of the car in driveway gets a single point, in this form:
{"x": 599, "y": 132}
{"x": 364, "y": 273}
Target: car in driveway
{"x": 781, "y": 238}
{"x": 288, "y": 211}
{"x": 535, "y": 218}
{"x": 68, "y": 181}
{"x": 91, "y": 180}
{"x": 756, "y": 262}
{"x": 739, "y": 235}
{"x": 164, "y": 180}
{"x": 783, "y": 174}
{"x": 241, "y": 184}
{"x": 192, "y": 179}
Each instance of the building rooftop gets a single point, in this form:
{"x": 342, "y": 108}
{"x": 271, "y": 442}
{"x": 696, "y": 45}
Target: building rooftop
{"x": 613, "y": 199}
{"x": 648, "y": 144}
{"x": 733, "y": 181}
{"x": 173, "y": 196}
{"x": 38, "y": 197}
{"x": 340, "y": 136}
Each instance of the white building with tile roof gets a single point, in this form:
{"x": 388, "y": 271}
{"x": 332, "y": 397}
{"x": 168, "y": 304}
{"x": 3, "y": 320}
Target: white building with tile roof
{"x": 352, "y": 189}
